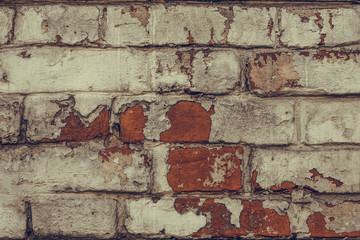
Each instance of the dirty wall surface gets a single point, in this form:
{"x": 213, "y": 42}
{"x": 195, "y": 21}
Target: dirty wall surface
{"x": 138, "y": 120}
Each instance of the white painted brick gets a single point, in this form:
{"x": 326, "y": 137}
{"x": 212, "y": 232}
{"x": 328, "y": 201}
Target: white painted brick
{"x": 147, "y": 217}
{"x": 253, "y": 120}
{"x": 42, "y": 24}
{"x": 304, "y": 27}
{"x": 253, "y": 27}
{"x": 334, "y": 121}
{"x": 187, "y": 24}
{"x": 128, "y": 25}
{"x": 52, "y": 69}
{"x": 12, "y": 217}
{"x": 6, "y": 18}
{"x": 316, "y": 72}
{"x": 331, "y": 171}
{"x": 75, "y": 216}
{"x": 10, "y": 117}
{"x": 200, "y": 71}
{"x": 46, "y": 113}
{"x": 84, "y": 167}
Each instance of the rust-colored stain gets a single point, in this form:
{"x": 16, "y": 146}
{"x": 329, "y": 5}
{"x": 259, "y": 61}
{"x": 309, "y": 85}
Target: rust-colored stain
{"x": 108, "y": 152}
{"x": 190, "y": 38}
{"x": 132, "y": 124}
{"x": 190, "y": 122}
{"x": 317, "y": 227}
{"x": 254, "y": 219}
{"x": 319, "y": 21}
{"x": 211, "y": 41}
{"x": 75, "y": 129}
{"x": 273, "y": 72}
{"x": 337, "y": 56}
{"x": 25, "y": 54}
{"x": 304, "y": 53}
{"x": 58, "y": 38}
{"x": 184, "y": 64}
{"x": 334, "y": 183}
{"x": 284, "y": 186}
{"x": 270, "y": 26}
{"x": 322, "y": 38}
{"x": 255, "y": 185}
{"x": 202, "y": 169}
{"x": 330, "y": 21}
{"x": 140, "y": 13}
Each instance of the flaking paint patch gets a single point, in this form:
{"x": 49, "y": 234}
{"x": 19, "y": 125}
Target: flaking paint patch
{"x": 113, "y": 162}
{"x": 316, "y": 176}
{"x": 184, "y": 64}
{"x": 273, "y": 72}
{"x": 141, "y": 13}
{"x": 228, "y": 13}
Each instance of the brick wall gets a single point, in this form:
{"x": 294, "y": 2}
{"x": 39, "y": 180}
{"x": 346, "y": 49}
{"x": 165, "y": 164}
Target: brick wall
{"x": 187, "y": 120}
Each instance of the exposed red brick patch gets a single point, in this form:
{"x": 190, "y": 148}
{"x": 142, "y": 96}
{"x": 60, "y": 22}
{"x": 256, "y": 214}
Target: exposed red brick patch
{"x": 105, "y": 154}
{"x": 75, "y": 129}
{"x": 284, "y": 186}
{"x": 253, "y": 219}
{"x": 332, "y": 181}
{"x": 255, "y": 185}
{"x": 190, "y": 38}
{"x": 183, "y": 204}
{"x": 202, "y": 169}
{"x": 132, "y": 124}
{"x": 316, "y": 223}
{"x": 211, "y": 41}
{"x": 263, "y": 222}
{"x": 141, "y": 13}
{"x": 190, "y": 122}
{"x": 306, "y": 54}
{"x": 25, "y": 54}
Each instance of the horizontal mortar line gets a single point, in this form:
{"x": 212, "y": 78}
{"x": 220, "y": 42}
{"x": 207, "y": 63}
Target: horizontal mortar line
{"x": 186, "y": 2}
{"x": 174, "y": 46}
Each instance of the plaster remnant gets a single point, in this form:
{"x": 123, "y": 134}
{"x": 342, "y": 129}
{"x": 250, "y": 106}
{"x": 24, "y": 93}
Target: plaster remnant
{"x": 113, "y": 161}
{"x": 141, "y": 13}
{"x": 273, "y": 72}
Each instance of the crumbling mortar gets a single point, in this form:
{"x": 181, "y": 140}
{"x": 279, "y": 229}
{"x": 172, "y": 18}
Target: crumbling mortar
{"x": 11, "y": 37}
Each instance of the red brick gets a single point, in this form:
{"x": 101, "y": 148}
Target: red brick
{"x": 132, "y": 124}
{"x": 202, "y": 169}
{"x": 190, "y": 122}
{"x": 75, "y": 129}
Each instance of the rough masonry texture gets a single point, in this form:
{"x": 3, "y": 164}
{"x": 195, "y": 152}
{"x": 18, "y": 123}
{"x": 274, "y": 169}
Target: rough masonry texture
{"x": 179, "y": 120}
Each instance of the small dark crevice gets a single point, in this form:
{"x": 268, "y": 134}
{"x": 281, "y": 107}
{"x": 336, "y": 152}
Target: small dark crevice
{"x": 29, "y": 233}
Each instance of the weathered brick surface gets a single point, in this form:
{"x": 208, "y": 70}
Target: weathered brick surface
{"x": 329, "y": 170}
{"x": 329, "y": 219}
{"x": 74, "y": 216}
{"x": 227, "y": 217}
{"x": 179, "y": 70}
{"x": 151, "y": 119}
{"x": 6, "y": 16}
{"x": 76, "y": 167}
{"x": 12, "y": 217}
{"x": 252, "y": 120}
{"x": 330, "y": 121}
{"x": 311, "y": 27}
{"x": 305, "y": 72}
{"x": 10, "y": 117}
{"x": 56, "y": 24}
{"x": 53, "y": 69}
